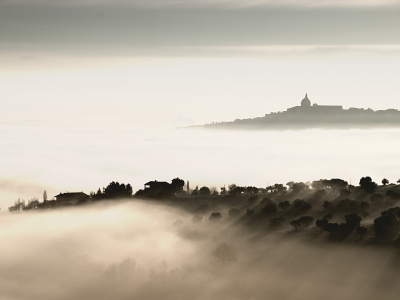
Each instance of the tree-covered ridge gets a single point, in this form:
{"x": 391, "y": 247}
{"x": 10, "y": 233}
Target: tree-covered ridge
{"x": 333, "y": 206}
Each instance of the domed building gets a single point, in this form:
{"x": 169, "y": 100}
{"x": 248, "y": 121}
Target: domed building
{"x": 315, "y": 109}
{"x": 306, "y": 101}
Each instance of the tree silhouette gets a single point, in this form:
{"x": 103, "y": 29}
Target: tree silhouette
{"x": 328, "y": 205}
{"x": 352, "y": 221}
{"x": 44, "y": 196}
{"x": 295, "y": 223}
{"x": 368, "y": 185}
{"x": 204, "y": 191}
{"x": 177, "y": 184}
{"x": 115, "y": 190}
{"x": 234, "y": 212}
{"x": 321, "y": 223}
{"x": 284, "y": 205}
{"x": 302, "y": 221}
{"x": 385, "y": 181}
{"x": 332, "y": 228}
{"x": 384, "y": 223}
{"x": 361, "y": 230}
{"x": 197, "y": 219}
{"x": 270, "y": 209}
{"x": 301, "y": 206}
{"x": 215, "y": 216}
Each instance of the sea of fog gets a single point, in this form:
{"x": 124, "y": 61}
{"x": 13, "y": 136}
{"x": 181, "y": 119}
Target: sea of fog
{"x": 68, "y": 156}
{"x": 137, "y": 250}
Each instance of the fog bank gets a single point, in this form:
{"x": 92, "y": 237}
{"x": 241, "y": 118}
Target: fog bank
{"x": 133, "y": 250}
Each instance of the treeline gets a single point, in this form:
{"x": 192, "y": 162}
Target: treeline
{"x": 332, "y": 206}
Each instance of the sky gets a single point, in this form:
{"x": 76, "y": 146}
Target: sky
{"x": 162, "y": 59}
{"x": 77, "y": 76}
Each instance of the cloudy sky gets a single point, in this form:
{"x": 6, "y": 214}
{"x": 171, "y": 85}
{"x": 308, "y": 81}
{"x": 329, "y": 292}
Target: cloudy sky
{"x": 196, "y": 60}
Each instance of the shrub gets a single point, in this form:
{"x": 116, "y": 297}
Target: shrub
{"x": 215, "y": 216}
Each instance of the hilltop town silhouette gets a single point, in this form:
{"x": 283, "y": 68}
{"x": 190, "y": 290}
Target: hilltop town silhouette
{"x": 307, "y": 116}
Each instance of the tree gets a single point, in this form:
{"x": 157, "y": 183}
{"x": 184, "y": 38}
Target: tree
{"x": 336, "y": 183}
{"x": 352, "y": 221}
{"x": 295, "y": 223}
{"x": 306, "y": 221}
{"x": 225, "y": 254}
{"x": 302, "y": 221}
{"x": 385, "y": 181}
{"x": 44, "y": 196}
{"x": 270, "y": 209}
{"x": 238, "y": 190}
{"x": 361, "y": 230}
{"x": 328, "y": 217}
{"x": 279, "y": 188}
{"x": 301, "y": 206}
{"x": 197, "y": 219}
{"x": 332, "y": 228}
{"x": 284, "y": 205}
{"x": 231, "y": 187}
{"x": 115, "y": 190}
{"x": 299, "y": 186}
{"x": 383, "y": 224}
{"x": 290, "y": 184}
{"x": 204, "y": 191}
{"x": 328, "y": 205}
{"x": 252, "y": 190}
{"x": 368, "y": 185}
{"x": 177, "y": 185}
{"x": 234, "y": 212}
{"x": 321, "y": 223}
{"x": 215, "y": 216}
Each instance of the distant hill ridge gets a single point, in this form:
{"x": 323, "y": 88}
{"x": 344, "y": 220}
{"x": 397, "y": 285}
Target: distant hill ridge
{"x": 307, "y": 116}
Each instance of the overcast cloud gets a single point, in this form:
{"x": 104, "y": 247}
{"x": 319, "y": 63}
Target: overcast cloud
{"x": 101, "y": 28}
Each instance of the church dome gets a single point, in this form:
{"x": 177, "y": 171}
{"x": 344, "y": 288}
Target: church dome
{"x": 306, "y": 101}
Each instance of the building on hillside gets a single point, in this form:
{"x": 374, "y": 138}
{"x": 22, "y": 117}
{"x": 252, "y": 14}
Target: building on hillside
{"x": 156, "y": 185}
{"x": 307, "y": 108}
{"x": 72, "y": 197}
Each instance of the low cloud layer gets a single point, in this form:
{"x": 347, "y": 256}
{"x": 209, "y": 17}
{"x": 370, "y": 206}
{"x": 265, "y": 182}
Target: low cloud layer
{"x": 134, "y": 250}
